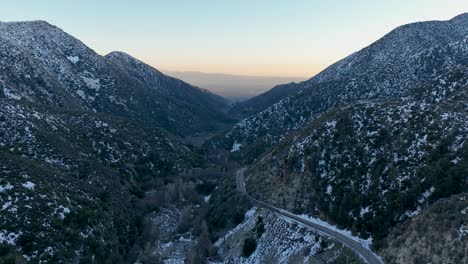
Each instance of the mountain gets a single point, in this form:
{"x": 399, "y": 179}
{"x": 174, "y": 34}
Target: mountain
{"x": 373, "y": 144}
{"x": 66, "y": 73}
{"x": 80, "y": 136}
{"x": 95, "y": 164}
{"x": 392, "y": 67}
{"x": 369, "y": 165}
{"x": 263, "y": 101}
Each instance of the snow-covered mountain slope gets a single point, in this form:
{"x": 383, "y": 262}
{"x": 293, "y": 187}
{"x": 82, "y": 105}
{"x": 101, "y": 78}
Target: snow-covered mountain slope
{"x": 42, "y": 64}
{"x": 371, "y": 142}
{"x": 279, "y": 240}
{"x": 392, "y": 67}
{"x": 80, "y": 134}
{"x": 372, "y": 164}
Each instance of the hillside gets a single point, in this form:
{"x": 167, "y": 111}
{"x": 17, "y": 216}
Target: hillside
{"x": 373, "y": 144}
{"x": 392, "y": 67}
{"x": 80, "y": 135}
{"x": 370, "y": 165}
{"x": 437, "y": 235}
{"x": 43, "y": 64}
{"x": 261, "y": 102}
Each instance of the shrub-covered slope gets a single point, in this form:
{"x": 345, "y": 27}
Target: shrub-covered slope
{"x": 79, "y": 135}
{"x": 370, "y": 165}
{"x": 392, "y": 67}
{"x": 438, "y": 235}
{"x": 41, "y": 63}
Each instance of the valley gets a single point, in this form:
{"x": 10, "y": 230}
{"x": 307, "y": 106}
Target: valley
{"x": 104, "y": 159}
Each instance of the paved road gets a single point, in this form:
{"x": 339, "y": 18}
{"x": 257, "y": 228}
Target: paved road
{"x": 364, "y": 252}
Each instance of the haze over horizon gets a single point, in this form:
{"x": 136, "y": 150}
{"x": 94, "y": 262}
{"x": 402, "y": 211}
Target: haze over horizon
{"x": 231, "y": 86}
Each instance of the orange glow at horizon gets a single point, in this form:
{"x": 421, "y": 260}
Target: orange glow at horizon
{"x": 267, "y": 70}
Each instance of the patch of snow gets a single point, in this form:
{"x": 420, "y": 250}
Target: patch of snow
{"x": 101, "y": 124}
{"x": 29, "y": 185}
{"x": 64, "y": 211}
{"x": 331, "y": 124}
{"x": 410, "y": 213}
{"x": 10, "y": 95}
{"x": 73, "y": 59}
{"x": 49, "y": 250}
{"x": 250, "y": 212}
{"x": 9, "y": 238}
{"x": 463, "y": 231}
{"x": 81, "y": 94}
{"x": 426, "y": 194}
{"x": 207, "y": 198}
{"x": 465, "y": 211}
{"x": 248, "y": 218}
{"x": 5, "y": 206}
{"x": 92, "y": 83}
{"x": 364, "y": 210}
{"x": 236, "y": 146}
{"x": 364, "y": 242}
{"x": 8, "y": 186}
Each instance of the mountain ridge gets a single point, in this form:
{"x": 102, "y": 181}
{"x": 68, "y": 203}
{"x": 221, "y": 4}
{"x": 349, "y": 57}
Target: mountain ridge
{"x": 381, "y": 71}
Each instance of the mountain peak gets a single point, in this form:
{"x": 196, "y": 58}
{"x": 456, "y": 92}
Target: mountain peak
{"x": 463, "y": 16}
{"x": 461, "y": 20}
{"x": 22, "y": 26}
{"x": 120, "y": 56}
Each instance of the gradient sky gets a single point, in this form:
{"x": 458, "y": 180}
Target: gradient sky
{"x": 249, "y": 37}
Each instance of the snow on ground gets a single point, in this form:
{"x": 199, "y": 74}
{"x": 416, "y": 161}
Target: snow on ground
{"x": 8, "y": 186}
{"x": 62, "y": 211}
{"x": 29, "y": 185}
{"x": 281, "y": 242}
{"x": 462, "y": 231}
{"x": 365, "y": 242}
{"x": 465, "y": 211}
{"x": 426, "y": 194}
{"x": 81, "y": 94}
{"x": 92, "y": 83}
{"x": 364, "y": 211}
{"x": 236, "y": 146}
{"x": 5, "y": 206}
{"x": 9, "y": 238}
{"x": 247, "y": 219}
{"x": 207, "y": 198}
{"x": 10, "y": 95}
{"x": 73, "y": 59}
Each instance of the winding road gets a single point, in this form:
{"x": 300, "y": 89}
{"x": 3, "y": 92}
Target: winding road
{"x": 369, "y": 256}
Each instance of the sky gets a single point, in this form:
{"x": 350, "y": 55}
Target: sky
{"x": 293, "y": 38}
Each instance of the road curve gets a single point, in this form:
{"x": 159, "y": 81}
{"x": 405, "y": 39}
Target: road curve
{"x": 362, "y": 251}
